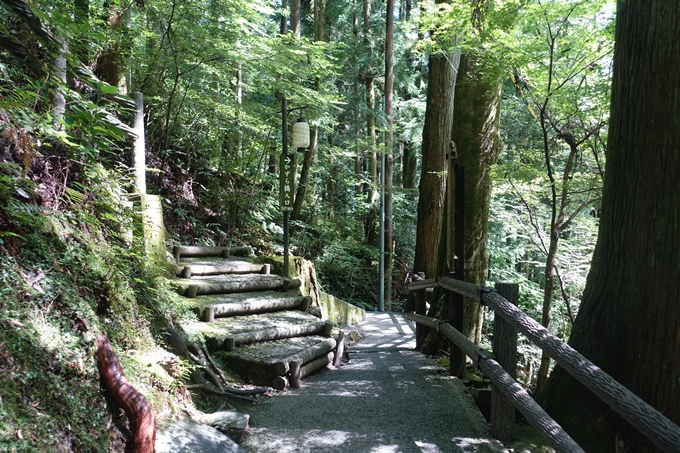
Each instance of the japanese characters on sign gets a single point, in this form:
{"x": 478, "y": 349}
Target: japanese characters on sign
{"x": 288, "y": 170}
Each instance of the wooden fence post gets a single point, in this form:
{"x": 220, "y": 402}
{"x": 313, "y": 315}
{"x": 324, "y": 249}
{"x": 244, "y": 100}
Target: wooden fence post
{"x": 504, "y": 345}
{"x": 457, "y": 301}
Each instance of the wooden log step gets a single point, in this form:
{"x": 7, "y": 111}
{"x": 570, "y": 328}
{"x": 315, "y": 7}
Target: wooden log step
{"x": 252, "y": 306}
{"x": 235, "y": 284}
{"x": 299, "y": 371}
{"x": 229, "y": 342}
{"x": 188, "y": 250}
{"x": 229, "y": 267}
{"x": 281, "y": 367}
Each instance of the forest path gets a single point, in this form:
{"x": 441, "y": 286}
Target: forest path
{"x": 387, "y": 399}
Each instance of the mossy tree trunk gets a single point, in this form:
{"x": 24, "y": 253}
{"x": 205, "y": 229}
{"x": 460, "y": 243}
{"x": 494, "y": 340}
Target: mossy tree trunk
{"x": 629, "y": 321}
{"x": 476, "y": 123}
{"x": 436, "y": 145}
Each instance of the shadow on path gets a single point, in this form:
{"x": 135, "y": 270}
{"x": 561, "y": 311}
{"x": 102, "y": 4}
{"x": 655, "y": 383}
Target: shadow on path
{"x": 387, "y": 399}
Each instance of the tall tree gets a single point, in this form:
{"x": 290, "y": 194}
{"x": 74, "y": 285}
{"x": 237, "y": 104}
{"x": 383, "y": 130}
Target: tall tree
{"x": 389, "y": 87}
{"x": 629, "y": 322}
{"x": 476, "y": 122}
{"x": 443, "y": 69}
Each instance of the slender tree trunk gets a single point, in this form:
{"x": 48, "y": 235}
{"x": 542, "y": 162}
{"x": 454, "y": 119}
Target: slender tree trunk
{"x": 295, "y": 17}
{"x": 389, "y": 159}
{"x": 629, "y": 320}
{"x": 304, "y": 173}
{"x": 476, "y": 124}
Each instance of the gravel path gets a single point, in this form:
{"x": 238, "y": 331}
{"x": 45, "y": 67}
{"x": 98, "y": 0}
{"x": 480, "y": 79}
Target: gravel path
{"x": 387, "y": 399}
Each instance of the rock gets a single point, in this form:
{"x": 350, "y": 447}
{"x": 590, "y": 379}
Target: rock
{"x": 188, "y": 436}
{"x": 231, "y": 423}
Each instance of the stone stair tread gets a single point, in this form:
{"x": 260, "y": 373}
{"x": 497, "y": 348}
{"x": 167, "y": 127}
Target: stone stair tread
{"x": 249, "y": 323}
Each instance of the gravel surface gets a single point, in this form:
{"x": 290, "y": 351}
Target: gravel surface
{"x": 387, "y": 399}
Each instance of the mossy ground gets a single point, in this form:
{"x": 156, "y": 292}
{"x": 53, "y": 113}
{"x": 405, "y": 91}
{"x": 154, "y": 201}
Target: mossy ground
{"x": 64, "y": 279}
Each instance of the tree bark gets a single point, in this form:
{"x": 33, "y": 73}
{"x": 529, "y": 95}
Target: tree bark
{"x": 476, "y": 124}
{"x": 137, "y": 408}
{"x": 629, "y": 321}
{"x": 295, "y": 17}
{"x": 436, "y": 144}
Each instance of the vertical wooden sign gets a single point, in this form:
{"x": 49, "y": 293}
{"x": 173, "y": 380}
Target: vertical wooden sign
{"x": 287, "y": 173}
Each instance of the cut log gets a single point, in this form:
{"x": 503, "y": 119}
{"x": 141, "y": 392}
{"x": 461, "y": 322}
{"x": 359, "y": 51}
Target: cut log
{"x": 276, "y": 333}
{"x": 282, "y": 366}
{"x": 340, "y": 349}
{"x": 328, "y": 329}
{"x": 252, "y": 306}
{"x": 136, "y": 407}
{"x": 316, "y": 365}
{"x": 280, "y": 383}
{"x": 234, "y": 267}
{"x": 295, "y": 367}
{"x": 193, "y": 251}
{"x": 229, "y": 285}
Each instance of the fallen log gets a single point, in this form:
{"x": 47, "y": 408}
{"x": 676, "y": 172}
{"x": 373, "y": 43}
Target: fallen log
{"x": 137, "y": 408}
{"x": 252, "y": 306}
{"x": 229, "y": 342}
{"x": 281, "y": 367}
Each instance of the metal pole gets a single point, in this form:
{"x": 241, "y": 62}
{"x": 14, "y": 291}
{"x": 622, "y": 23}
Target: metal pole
{"x": 286, "y": 214}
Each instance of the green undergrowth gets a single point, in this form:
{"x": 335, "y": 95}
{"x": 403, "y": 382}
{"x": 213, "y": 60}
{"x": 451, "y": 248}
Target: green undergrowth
{"x": 67, "y": 275}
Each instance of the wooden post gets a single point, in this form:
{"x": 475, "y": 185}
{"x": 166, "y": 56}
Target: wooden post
{"x": 457, "y": 301}
{"x": 505, "y": 351}
{"x": 421, "y": 309}
{"x": 339, "y": 349}
{"x": 192, "y": 291}
{"x": 327, "y": 329}
{"x": 186, "y": 272}
{"x": 266, "y": 269}
{"x": 139, "y": 146}
{"x": 209, "y": 314}
{"x": 295, "y": 374}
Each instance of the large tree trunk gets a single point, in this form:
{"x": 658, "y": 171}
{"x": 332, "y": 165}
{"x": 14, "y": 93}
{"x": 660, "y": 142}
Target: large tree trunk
{"x": 476, "y": 123}
{"x": 436, "y": 144}
{"x": 629, "y": 321}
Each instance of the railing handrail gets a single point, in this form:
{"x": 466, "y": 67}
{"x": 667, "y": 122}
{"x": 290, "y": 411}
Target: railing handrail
{"x": 649, "y": 421}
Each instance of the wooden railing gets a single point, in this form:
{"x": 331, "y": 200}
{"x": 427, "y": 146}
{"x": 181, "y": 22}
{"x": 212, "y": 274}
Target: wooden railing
{"x": 508, "y": 319}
